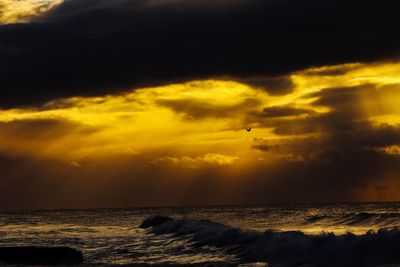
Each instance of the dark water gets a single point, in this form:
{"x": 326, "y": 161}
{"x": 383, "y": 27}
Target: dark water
{"x": 112, "y": 236}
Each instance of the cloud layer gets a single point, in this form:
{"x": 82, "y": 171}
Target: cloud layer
{"x": 334, "y": 136}
{"x": 94, "y": 47}
{"x": 145, "y": 102}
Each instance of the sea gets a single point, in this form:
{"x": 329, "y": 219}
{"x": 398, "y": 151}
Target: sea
{"x": 254, "y": 235}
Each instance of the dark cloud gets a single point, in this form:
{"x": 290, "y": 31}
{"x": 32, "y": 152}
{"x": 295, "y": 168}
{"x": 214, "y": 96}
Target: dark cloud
{"x": 361, "y": 185}
{"x": 347, "y": 113}
{"x": 285, "y": 111}
{"x": 327, "y": 168}
{"x": 347, "y": 125}
{"x": 341, "y": 149}
{"x": 273, "y": 85}
{"x": 196, "y": 109}
{"x": 95, "y": 47}
{"x": 343, "y": 99}
{"x": 35, "y": 129}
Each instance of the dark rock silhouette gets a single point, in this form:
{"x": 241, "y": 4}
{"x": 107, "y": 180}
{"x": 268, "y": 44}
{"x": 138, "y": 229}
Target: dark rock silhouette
{"x": 40, "y": 255}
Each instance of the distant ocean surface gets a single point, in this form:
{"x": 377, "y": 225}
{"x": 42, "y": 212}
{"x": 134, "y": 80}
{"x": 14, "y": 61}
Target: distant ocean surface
{"x": 213, "y": 235}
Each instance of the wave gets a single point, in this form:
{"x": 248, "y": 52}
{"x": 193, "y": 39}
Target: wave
{"x": 203, "y": 232}
{"x": 371, "y": 219}
{"x": 356, "y": 219}
{"x": 289, "y": 248}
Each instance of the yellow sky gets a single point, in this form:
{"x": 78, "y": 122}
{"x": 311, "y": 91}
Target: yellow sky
{"x": 330, "y": 133}
{"x": 195, "y": 116}
{"x": 195, "y": 130}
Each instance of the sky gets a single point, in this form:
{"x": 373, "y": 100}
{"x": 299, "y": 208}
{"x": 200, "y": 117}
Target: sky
{"x": 145, "y": 102}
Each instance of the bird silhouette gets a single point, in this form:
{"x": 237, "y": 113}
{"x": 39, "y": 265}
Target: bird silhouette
{"x": 248, "y": 129}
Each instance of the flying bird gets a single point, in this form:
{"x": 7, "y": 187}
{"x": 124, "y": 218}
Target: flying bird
{"x": 248, "y": 129}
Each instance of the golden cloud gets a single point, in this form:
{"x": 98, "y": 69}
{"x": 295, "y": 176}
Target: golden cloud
{"x": 333, "y": 118}
{"x": 19, "y": 11}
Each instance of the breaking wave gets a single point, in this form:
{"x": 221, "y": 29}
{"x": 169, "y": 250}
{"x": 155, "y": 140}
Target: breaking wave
{"x": 378, "y": 220}
{"x": 292, "y": 248}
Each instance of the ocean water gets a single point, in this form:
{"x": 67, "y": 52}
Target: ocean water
{"x": 217, "y": 235}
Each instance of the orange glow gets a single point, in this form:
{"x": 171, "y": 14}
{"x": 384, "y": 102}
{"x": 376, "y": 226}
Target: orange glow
{"x": 197, "y": 126}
